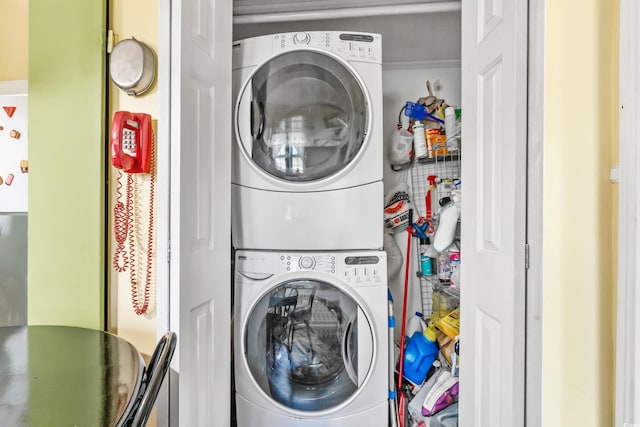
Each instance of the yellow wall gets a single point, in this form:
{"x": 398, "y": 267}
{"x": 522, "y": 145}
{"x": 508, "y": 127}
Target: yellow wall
{"x": 581, "y": 128}
{"x": 126, "y": 23}
{"x": 14, "y": 39}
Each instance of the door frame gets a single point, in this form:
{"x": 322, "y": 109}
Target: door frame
{"x": 535, "y": 168}
{"x": 534, "y": 283}
{"x": 627, "y": 389}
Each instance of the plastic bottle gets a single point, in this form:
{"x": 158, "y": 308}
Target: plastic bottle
{"x": 446, "y": 231}
{"x": 426, "y": 269}
{"x": 400, "y": 152}
{"x": 419, "y": 140}
{"x": 454, "y": 267}
{"x": 419, "y": 355}
{"x": 459, "y": 126}
{"x": 445, "y": 187}
{"x": 444, "y": 266}
{"x": 450, "y": 129}
{"x": 415, "y": 324}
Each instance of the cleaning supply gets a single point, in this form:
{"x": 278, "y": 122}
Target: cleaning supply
{"x": 454, "y": 260}
{"x": 426, "y": 268}
{"x": 449, "y": 324}
{"x": 416, "y": 324}
{"x": 419, "y": 140}
{"x": 436, "y": 139}
{"x": 419, "y": 355}
{"x": 450, "y": 129}
{"x": 445, "y": 187}
{"x": 396, "y": 209}
{"x": 449, "y": 215}
{"x": 393, "y": 414}
{"x": 419, "y": 112}
{"x": 444, "y": 266}
{"x": 431, "y": 199}
{"x": 443, "y": 391}
{"x": 401, "y": 398}
{"x": 401, "y": 150}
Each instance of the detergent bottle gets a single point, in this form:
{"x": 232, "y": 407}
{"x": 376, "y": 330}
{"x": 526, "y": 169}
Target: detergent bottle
{"x": 419, "y": 355}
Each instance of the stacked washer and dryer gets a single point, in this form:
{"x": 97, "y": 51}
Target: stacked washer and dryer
{"x": 310, "y": 282}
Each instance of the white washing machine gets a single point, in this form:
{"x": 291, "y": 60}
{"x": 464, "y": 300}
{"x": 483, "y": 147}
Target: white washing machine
{"x": 307, "y": 159}
{"x": 310, "y": 339}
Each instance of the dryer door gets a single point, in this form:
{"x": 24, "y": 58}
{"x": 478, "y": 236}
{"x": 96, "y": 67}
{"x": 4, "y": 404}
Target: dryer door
{"x": 302, "y": 116}
{"x": 308, "y": 345}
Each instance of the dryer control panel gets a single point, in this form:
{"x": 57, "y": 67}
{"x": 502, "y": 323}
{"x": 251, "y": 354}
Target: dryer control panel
{"x": 350, "y": 267}
{"x": 351, "y": 46}
{"x": 366, "y": 267}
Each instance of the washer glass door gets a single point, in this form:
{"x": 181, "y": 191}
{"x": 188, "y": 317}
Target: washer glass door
{"x": 308, "y": 345}
{"x": 307, "y": 116}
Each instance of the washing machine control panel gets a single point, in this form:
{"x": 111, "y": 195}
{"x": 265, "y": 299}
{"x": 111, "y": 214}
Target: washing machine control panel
{"x": 352, "y": 268}
{"x": 351, "y": 46}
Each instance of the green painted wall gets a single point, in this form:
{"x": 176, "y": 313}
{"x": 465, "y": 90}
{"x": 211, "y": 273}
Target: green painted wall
{"x": 67, "y": 75}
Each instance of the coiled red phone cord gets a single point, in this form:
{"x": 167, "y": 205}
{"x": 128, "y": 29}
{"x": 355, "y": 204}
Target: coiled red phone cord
{"x": 125, "y": 227}
{"x": 135, "y": 288}
{"x": 121, "y": 225}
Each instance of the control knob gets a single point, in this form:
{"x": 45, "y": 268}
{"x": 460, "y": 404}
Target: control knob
{"x": 301, "y": 38}
{"x": 307, "y": 262}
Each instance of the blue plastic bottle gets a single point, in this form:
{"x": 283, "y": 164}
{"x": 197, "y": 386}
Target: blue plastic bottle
{"x": 419, "y": 355}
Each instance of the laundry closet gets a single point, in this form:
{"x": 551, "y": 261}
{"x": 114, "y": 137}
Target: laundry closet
{"x": 474, "y": 57}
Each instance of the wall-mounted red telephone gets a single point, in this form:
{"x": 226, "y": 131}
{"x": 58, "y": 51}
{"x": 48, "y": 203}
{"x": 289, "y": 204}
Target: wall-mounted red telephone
{"x": 131, "y": 142}
{"x": 133, "y": 154}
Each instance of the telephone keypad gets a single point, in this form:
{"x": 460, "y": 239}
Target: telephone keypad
{"x": 129, "y": 141}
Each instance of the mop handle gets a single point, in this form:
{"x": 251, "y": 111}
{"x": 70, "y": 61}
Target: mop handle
{"x": 404, "y": 304}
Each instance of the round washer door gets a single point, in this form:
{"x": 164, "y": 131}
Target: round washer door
{"x": 302, "y": 116}
{"x": 308, "y": 345}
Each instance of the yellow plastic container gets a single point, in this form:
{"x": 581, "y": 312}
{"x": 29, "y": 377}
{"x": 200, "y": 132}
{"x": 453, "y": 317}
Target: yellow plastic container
{"x": 450, "y": 324}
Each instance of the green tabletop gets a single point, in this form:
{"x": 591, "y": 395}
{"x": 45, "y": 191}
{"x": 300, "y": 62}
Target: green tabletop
{"x": 66, "y": 376}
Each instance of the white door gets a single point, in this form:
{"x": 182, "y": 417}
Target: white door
{"x": 200, "y": 233}
{"x": 494, "y": 97}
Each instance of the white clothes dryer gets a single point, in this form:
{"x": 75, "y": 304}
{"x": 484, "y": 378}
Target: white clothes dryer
{"x": 310, "y": 339}
{"x": 307, "y": 159}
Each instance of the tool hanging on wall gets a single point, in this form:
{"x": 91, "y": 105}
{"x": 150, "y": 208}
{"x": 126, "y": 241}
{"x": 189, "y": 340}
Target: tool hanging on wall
{"x": 132, "y": 66}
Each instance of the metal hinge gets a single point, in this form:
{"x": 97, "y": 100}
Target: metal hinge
{"x": 614, "y": 174}
{"x": 526, "y": 256}
{"x": 169, "y": 251}
{"x": 110, "y": 39}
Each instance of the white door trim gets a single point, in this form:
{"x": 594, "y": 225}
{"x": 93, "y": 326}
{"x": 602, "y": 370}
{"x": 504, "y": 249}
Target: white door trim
{"x": 627, "y": 398}
{"x": 535, "y": 158}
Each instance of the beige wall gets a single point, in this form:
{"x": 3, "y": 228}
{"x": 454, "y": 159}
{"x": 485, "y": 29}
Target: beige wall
{"x": 580, "y": 146}
{"x": 14, "y": 38}
{"x": 126, "y": 23}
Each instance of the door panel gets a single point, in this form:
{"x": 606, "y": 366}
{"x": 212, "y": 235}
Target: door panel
{"x": 200, "y": 270}
{"x": 494, "y": 85}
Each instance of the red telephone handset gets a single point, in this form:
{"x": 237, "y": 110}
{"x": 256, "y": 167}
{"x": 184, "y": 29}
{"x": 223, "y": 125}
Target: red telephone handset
{"x": 131, "y": 142}
{"x": 133, "y": 153}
